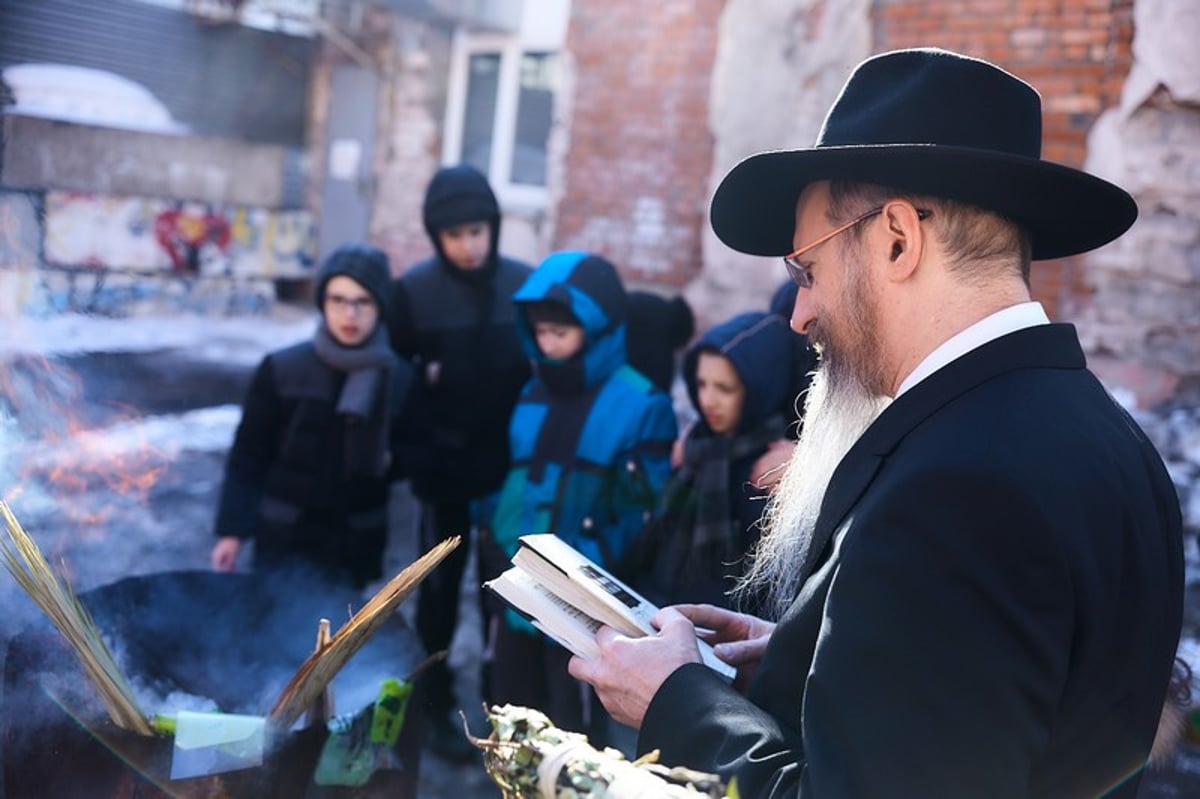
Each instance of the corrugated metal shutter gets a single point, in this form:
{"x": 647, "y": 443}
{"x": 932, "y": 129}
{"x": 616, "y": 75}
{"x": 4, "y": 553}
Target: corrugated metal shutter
{"x": 227, "y": 80}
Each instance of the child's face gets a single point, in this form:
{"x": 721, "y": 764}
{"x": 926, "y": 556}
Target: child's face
{"x": 558, "y": 341}
{"x": 350, "y": 311}
{"x": 466, "y": 245}
{"x": 720, "y": 392}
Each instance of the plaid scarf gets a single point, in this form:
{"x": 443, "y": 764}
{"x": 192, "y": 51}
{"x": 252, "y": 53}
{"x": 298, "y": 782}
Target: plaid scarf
{"x": 694, "y": 535}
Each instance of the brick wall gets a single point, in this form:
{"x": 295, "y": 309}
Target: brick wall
{"x": 640, "y": 150}
{"x": 1077, "y": 53}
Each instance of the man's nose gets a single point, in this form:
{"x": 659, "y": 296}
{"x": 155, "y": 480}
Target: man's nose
{"x": 802, "y": 311}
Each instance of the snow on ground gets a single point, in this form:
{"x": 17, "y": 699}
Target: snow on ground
{"x": 237, "y": 339}
{"x": 168, "y": 435}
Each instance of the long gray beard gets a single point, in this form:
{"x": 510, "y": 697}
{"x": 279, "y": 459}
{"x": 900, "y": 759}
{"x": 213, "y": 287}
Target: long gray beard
{"x": 837, "y": 410}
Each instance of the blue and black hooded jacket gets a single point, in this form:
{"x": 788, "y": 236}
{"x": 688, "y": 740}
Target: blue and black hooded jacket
{"x": 590, "y": 436}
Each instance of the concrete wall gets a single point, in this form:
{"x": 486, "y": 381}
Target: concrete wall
{"x": 114, "y": 221}
{"x": 409, "y": 139}
{"x": 1140, "y": 321}
{"x": 20, "y": 244}
{"x": 46, "y": 154}
{"x": 779, "y": 64}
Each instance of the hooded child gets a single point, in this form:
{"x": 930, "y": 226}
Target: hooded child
{"x": 737, "y": 380}
{"x": 453, "y": 320}
{"x": 591, "y": 440}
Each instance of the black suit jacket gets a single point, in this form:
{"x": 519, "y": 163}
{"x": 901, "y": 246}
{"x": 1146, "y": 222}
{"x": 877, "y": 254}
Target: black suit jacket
{"x": 993, "y": 608}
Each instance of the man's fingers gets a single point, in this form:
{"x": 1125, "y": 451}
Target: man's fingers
{"x": 706, "y": 615}
{"x": 605, "y": 635}
{"x": 579, "y": 668}
{"x": 669, "y": 617}
{"x": 737, "y": 653}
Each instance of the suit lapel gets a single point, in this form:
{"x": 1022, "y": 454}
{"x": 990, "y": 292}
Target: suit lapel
{"x": 1044, "y": 346}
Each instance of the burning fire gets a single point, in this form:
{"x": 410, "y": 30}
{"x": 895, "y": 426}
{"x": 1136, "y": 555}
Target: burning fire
{"x": 91, "y": 468}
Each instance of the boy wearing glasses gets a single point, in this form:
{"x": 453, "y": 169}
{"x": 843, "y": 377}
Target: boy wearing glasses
{"x": 327, "y": 424}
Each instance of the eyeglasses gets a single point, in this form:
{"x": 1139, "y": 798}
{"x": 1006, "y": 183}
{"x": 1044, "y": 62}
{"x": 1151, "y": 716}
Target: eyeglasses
{"x": 801, "y": 273}
{"x": 354, "y": 304}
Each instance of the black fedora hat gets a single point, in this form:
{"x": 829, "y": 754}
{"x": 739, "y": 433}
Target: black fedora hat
{"x": 933, "y": 122}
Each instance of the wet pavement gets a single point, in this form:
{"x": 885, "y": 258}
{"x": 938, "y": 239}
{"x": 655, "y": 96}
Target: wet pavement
{"x": 102, "y": 535}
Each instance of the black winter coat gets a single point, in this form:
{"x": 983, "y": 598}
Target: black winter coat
{"x": 994, "y": 607}
{"x": 458, "y": 329}
{"x": 285, "y": 483}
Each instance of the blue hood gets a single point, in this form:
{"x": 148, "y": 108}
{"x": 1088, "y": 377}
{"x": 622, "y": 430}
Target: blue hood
{"x": 759, "y": 345}
{"x": 590, "y": 286}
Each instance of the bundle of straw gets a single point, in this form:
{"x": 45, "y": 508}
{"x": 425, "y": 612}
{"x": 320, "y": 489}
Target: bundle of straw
{"x": 322, "y": 666}
{"x": 57, "y": 600}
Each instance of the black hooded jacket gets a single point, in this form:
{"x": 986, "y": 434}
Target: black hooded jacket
{"x": 457, "y": 326}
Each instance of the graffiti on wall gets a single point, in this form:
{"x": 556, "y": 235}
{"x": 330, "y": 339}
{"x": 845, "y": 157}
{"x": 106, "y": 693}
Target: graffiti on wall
{"x": 139, "y": 234}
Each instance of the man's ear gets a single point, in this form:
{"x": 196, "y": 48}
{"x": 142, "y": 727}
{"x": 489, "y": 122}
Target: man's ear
{"x": 905, "y": 240}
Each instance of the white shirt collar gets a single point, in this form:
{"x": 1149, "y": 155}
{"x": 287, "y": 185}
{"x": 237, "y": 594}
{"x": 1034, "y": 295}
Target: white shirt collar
{"x": 1002, "y": 322}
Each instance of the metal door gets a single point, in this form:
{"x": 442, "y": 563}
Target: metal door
{"x": 349, "y": 184}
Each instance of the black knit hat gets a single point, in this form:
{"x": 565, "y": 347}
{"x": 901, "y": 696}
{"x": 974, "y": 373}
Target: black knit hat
{"x": 365, "y": 265}
{"x": 928, "y": 121}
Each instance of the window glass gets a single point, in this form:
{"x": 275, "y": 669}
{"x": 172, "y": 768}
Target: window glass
{"x": 534, "y": 107}
{"x": 480, "y": 115}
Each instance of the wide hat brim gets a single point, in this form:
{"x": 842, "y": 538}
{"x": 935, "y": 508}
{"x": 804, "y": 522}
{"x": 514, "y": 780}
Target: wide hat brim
{"x": 930, "y": 122}
{"x": 1067, "y": 211}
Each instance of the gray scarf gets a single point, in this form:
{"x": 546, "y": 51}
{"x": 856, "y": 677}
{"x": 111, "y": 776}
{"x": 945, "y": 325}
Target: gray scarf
{"x": 365, "y": 401}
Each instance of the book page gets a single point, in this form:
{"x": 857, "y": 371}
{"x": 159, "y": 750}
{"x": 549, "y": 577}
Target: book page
{"x": 553, "y": 615}
{"x": 587, "y": 585}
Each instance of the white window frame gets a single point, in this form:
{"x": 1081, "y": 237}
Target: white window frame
{"x": 510, "y": 48}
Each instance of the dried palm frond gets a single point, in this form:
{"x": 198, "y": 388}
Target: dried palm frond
{"x": 323, "y": 707}
{"x": 320, "y": 668}
{"x": 54, "y": 596}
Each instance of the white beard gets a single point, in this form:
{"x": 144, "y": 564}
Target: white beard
{"x": 837, "y": 410}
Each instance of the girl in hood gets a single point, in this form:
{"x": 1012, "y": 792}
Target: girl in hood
{"x": 737, "y": 379}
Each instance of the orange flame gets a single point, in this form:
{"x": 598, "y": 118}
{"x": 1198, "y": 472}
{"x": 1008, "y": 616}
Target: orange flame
{"x": 87, "y": 475}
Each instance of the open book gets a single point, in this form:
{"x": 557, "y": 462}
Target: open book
{"x": 568, "y": 597}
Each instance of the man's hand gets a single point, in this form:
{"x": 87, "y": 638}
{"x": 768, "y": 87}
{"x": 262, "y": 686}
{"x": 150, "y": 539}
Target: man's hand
{"x": 629, "y": 671}
{"x": 769, "y": 468}
{"x": 224, "y": 554}
{"x": 739, "y": 639}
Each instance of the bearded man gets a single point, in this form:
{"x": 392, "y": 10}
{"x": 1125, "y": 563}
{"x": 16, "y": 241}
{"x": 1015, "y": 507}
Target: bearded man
{"x": 975, "y": 556}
